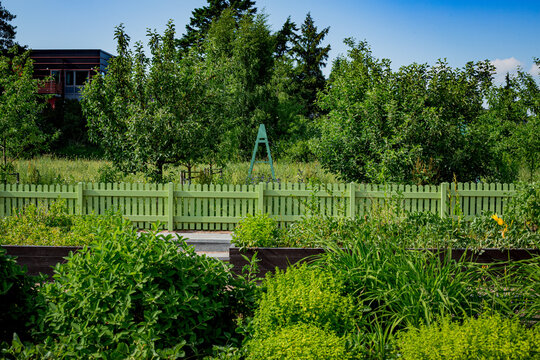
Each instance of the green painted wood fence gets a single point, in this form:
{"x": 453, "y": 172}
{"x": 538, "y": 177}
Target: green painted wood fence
{"x": 220, "y": 207}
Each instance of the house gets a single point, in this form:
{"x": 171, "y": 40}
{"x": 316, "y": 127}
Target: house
{"x": 67, "y": 69}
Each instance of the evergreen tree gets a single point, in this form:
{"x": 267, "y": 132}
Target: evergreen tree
{"x": 311, "y": 58}
{"x": 284, "y": 37}
{"x": 202, "y": 18}
{"x": 7, "y": 31}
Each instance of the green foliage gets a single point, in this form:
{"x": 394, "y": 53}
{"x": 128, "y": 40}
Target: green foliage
{"x": 488, "y": 337}
{"x": 304, "y": 295}
{"x": 303, "y": 313}
{"x": 524, "y": 207}
{"x": 240, "y": 52}
{"x": 258, "y": 230}
{"x": 20, "y": 106}
{"x": 7, "y": 30}
{"x": 299, "y": 341}
{"x": 202, "y": 18}
{"x": 150, "y": 112}
{"x": 53, "y": 226}
{"x": 66, "y": 123}
{"x": 108, "y": 174}
{"x": 401, "y": 288}
{"x": 311, "y": 58}
{"x": 512, "y": 122}
{"x": 139, "y": 296}
{"x": 19, "y": 299}
{"x": 381, "y": 124}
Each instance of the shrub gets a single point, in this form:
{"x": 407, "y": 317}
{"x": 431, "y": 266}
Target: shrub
{"x": 256, "y": 231}
{"x": 300, "y": 341}
{"x": 488, "y": 337}
{"x": 141, "y": 295}
{"x": 18, "y": 299}
{"x": 524, "y": 207}
{"x": 304, "y": 295}
{"x": 53, "y": 226}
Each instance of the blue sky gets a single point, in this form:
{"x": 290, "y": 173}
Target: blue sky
{"x": 505, "y": 32}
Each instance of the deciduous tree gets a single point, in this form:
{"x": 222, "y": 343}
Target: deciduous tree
{"x": 151, "y": 112}
{"x": 20, "y": 107}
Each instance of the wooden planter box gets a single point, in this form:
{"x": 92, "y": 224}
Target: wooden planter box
{"x": 40, "y": 259}
{"x": 270, "y": 258}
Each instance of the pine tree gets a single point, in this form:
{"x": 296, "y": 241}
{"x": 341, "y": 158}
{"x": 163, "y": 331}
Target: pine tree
{"x": 284, "y": 37}
{"x": 311, "y": 58}
{"x": 202, "y": 18}
{"x": 7, "y": 31}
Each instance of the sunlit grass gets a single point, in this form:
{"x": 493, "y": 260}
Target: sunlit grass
{"x": 55, "y": 170}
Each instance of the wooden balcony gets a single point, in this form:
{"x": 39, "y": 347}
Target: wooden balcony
{"x": 50, "y": 87}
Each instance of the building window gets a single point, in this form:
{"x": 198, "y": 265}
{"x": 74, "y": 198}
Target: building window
{"x": 80, "y": 77}
{"x": 69, "y": 78}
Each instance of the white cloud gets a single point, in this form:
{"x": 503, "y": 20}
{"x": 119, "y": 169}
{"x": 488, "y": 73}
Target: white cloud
{"x": 504, "y": 66}
{"x": 534, "y": 70}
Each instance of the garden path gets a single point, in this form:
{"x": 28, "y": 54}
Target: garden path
{"x": 211, "y": 243}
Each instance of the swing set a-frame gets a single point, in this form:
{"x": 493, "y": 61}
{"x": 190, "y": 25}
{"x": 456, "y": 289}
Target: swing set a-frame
{"x": 262, "y": 138}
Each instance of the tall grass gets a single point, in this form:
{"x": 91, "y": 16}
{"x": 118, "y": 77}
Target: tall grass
{"x": 56, "y": 170}
{"x": 399, "y": 288}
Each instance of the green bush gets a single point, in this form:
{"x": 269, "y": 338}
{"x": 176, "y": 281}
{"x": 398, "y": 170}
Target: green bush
{"x": 19, "y": 299}
{"x": 53, "y": 226}
{"x": 139, "y": 296}
{"x": 524, "y": 207}
{"x": 258, "y": 230}
{"x": 488, "y": 337}
{"x": 300, "y": 341}
{"x": 304, "y": 295}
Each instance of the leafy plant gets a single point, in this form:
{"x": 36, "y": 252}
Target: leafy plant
{"x": 53, "y": 226}
{"x": 304, "y": 295}
{"x": 19, "y": 300}
{"x": 299, "y": 341}
{"x": 258, "y": 230}
{"x": 140, "y": 296}
{"x": 20, "y": 106}
{"x": 490, "y": 336}
{"x": 524, "y": 207}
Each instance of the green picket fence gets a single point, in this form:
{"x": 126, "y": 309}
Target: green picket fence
{"x": 220, "y": 207}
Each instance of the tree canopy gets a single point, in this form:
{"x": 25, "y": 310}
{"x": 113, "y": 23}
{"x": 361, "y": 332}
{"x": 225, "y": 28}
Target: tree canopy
{"x": 150, "y": 112}
{"x": 202, "y": 18}
{"x": 7, "y": 30}
{"x": 20, "y": 107}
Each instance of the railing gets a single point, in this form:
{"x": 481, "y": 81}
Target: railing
{"x": 220, "y": 207}
{"x": 50, "y": 87}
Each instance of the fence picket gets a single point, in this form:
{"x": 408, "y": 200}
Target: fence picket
{"x": 220, "y": 207}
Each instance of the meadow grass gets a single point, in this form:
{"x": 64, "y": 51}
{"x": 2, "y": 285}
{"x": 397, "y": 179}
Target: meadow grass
{"x": 47, "y": 169}
{"x": 56, "y": 170}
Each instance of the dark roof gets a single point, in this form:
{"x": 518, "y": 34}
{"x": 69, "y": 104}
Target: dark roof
{"x": 69, "y": 52}
{"x": 68, "y": 59}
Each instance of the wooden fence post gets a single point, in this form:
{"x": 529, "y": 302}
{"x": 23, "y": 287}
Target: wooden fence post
{"x": 260, "y": 198}
{"x": 170, "y": 206}
{"x": 444, "y": 198}
{"x": 80, "y": 199}
{"x": 352, "y": 200}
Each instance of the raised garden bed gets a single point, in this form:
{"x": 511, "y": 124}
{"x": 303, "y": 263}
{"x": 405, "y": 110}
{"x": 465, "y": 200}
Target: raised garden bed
{"x": 270, "y": 258}
{"x": 40, "y": 259}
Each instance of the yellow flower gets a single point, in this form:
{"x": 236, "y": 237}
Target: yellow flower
{"x": 505, "y": 230}
{"x": 497, "y": 219}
